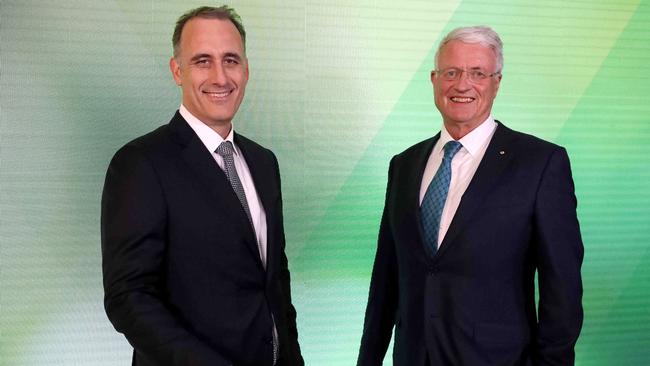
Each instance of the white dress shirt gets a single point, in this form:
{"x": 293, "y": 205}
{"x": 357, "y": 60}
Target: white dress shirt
{"x": 212, "y": 140}
{"x": 463, "y": 167}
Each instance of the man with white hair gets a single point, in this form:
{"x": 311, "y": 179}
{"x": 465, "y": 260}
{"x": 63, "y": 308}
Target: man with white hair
{"x": 471, "y": 216}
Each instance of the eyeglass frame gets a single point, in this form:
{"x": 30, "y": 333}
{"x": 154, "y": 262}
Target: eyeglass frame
{"x": 468, "y": 72}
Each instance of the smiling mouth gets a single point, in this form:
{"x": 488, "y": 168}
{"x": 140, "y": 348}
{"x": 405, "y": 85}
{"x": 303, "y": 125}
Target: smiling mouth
{"x": 462, "y": 99}
{"x": 218, "y": 94}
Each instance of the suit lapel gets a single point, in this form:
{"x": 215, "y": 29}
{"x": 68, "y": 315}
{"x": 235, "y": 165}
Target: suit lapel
{"x": 212, "y": 179}
{"x": 261, "y": 174}
{"x": 497, "y": 157}
{"x": 413, "y": 200}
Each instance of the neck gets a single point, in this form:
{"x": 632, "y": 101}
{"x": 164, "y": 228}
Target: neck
{"x": 459, "y": 130}
{"x": 222, "y": 130}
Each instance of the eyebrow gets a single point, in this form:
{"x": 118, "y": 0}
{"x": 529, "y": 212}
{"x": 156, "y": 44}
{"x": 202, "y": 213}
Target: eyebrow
{"x": 207, "y": 55}
{"x": 200, "y": 56}
{"x": 460, "y": 68}
{"x": 233, "y": 55}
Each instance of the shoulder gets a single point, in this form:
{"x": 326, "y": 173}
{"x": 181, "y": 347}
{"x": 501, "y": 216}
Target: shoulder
{"x": 155, "y": 145}
{"x": 152, "y": 140}
{"x": 528, "y": 152}
{"x": 415, "y": 151}
{"x": 252, "y": 149}
{"x": 529, "y": 149}
{"x": 250, "y": 144}
{"x": 164, "y": 140}
{"x": 523, "y": 140}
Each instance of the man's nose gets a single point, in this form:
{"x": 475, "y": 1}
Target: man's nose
{"x": 463, "y": 82}
{"x": 218, "y": 74}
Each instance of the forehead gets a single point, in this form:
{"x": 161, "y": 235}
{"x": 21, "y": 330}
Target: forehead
{"x": 210, "y": 36}
{"x": 468, "y": 55}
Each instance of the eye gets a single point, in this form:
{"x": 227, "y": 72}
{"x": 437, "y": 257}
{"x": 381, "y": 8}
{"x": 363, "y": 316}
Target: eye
{"x": 450, "y": 73}
{"x": 202, "y": 62}
{"x": 477, "y": 75}
{"x": 231, "y": 61}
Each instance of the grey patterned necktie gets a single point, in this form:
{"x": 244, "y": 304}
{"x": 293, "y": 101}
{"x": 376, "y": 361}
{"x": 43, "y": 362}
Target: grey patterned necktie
{"x": 226, "y": 151}
{"x": 436, "y": 195}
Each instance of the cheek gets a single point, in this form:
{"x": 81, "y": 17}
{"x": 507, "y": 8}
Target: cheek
{"x": 447, "y": 90}
{"x": 490, "y": 92}
{"x": 240, "y": 79}
{"x": 196, "y": 78}
{"x": 439, "y": 92}
{"x": 487, "y": 98}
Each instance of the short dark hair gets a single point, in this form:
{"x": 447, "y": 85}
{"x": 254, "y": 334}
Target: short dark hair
{"x": 208, "y": 12}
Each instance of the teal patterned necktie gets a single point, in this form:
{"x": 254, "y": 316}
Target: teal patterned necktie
{"x": 436, "y": 195}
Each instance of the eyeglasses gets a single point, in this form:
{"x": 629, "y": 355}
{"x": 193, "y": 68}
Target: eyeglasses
{"x": 474, "y": 75}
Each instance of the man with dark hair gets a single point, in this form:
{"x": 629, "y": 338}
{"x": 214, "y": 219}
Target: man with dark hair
{"x": 471, "y": 215}
{"x": 193, "y": 248}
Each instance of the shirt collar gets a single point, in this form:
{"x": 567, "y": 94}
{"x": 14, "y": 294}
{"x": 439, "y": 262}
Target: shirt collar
{"x": 473, "y": 141}
{"x": 208, "y": 136}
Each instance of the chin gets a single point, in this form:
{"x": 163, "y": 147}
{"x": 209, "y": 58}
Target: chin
{"x": 463, "y": 119}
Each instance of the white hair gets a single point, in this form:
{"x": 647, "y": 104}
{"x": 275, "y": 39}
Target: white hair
{"x": 483, "y": 35}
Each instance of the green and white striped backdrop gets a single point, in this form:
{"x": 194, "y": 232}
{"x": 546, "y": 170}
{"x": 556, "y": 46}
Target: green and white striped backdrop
{"x": 337, "y": 87}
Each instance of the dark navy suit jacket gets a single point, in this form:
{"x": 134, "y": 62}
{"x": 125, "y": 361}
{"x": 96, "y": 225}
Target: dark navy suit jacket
{"x": 473, "y": 302}
{"x": 183, "y": 278}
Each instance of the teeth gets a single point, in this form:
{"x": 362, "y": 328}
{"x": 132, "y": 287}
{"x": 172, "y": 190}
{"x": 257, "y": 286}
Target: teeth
{"x": 462, "y": 99}
{"x": 219, "y": 94}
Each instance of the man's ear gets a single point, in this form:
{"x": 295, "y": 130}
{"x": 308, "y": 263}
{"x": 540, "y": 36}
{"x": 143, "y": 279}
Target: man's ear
{"x": 175, "y": 68}
{"x": 499, "y": 81}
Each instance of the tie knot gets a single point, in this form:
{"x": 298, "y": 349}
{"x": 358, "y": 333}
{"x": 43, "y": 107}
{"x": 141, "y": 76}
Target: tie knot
{"x": 451, "y": 148}
{"x": 225, "y": 148}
